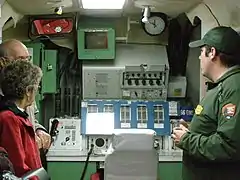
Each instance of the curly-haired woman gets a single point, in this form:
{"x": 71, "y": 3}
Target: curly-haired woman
{"x": 19, "y": 83}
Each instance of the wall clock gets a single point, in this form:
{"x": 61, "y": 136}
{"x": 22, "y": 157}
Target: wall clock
{"x": 156, "y": 25}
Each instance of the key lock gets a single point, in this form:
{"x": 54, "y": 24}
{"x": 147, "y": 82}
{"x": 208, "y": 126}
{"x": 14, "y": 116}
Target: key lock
{"x": 49, "y": 67}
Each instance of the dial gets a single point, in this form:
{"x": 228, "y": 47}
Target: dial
{"x": 155, "y": 26}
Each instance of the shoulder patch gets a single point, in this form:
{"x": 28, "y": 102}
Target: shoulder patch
{"x": 198, "y": 109}
{"x": 229, "y": 110}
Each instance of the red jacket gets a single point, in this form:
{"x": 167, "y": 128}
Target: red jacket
{"x": 18, "y": 138}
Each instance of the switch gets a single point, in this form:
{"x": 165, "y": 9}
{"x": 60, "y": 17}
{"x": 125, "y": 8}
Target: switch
{"x": 151, "y": 82}
{"x": 144, "y": 82}
{"x": 136, "y": 82}
{"x": 129, "y": 82}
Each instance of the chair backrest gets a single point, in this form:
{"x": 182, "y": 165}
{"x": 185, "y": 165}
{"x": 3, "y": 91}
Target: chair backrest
{"x": 132, "y": 155}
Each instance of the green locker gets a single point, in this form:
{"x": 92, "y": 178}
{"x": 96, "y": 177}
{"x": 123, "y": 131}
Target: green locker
{"x": 47, "y": 60}
{"x": 36, "y": 51}
{"x": 49, "y": 68}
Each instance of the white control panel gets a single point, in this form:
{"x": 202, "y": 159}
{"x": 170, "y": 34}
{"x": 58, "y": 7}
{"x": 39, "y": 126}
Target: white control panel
{"x": 68, "y": 138}
{"x": 69, "y": 143}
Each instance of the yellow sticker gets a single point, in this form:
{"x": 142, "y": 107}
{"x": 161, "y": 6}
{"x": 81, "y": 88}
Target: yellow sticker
{"x": 198, "y": 109}
{"x": 177, "y": 92}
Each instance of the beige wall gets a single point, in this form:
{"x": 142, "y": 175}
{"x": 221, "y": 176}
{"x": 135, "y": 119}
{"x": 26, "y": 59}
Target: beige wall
{"x": 135, "y": 35}
{"x": 225, "y": 12}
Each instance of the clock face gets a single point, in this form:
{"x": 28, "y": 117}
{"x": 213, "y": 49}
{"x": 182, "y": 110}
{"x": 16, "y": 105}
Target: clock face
{"x": 155, "y": 26}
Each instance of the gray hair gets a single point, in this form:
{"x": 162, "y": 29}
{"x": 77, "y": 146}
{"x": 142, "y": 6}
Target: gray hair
{"x": 17, "y": 77}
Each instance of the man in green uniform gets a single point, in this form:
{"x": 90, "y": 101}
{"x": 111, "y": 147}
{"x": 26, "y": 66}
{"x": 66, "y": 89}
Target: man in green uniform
{"x": 211, "y": 144}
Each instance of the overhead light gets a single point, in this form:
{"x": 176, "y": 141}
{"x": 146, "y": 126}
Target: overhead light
{"x": 146, "y": 14}
{"x": 103, "y": 4}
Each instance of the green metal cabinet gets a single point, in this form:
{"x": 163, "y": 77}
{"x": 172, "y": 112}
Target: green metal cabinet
{"x": 69, "y": 170}
{"x": 36, "y": 51}
{"x": 170, "y": 171}
{"x": 49, "y": 68}
{"x": 73, "y": 170}
{"x": 47, "y": 60}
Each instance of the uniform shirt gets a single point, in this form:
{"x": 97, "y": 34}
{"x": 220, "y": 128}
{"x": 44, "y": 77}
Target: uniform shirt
{"x": 212, "y": 146}
{"x": 18, "y": 139}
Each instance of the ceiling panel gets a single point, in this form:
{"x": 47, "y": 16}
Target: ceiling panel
{"x": 170, "y": 7}
{"x": 30, "y": 7}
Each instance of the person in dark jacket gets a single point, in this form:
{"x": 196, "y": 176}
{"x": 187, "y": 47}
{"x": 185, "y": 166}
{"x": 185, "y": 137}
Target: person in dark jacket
{"x": 19, "y": 83}
{"x": 211, "y": 144}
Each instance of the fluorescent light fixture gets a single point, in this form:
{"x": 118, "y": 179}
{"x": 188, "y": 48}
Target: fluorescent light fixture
{"x": 103, "y": 4}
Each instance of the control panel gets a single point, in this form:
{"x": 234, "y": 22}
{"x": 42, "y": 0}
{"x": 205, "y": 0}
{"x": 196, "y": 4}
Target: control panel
{"x": 166, "y": 144}
{"x": 140, "y": 82}
{"x": 124, "y": 114}
{"x": 101, "y": 144}
{"x": 67, "y": 137}
{"x": 174, "y": 108}
{"x": 74, "y": 137}
{"x": 145, "y": 82}
{"x": 71, "y": 144}
{"x": 102, "y": 82}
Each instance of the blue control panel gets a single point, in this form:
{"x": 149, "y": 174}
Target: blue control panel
{"x": 130, "y": 114}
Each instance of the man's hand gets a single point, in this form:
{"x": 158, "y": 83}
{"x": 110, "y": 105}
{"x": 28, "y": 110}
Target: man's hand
{"x": 178, "y": 132}
{"x": 45, "y": 138}
{"x": 184, "y": 123}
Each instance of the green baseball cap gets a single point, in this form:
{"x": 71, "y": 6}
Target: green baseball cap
{"x": 223, "y": 38}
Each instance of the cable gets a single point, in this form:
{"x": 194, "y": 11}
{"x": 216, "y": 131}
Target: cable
{"x": 212, "y": 14}
{"x": 87, "y": 161}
